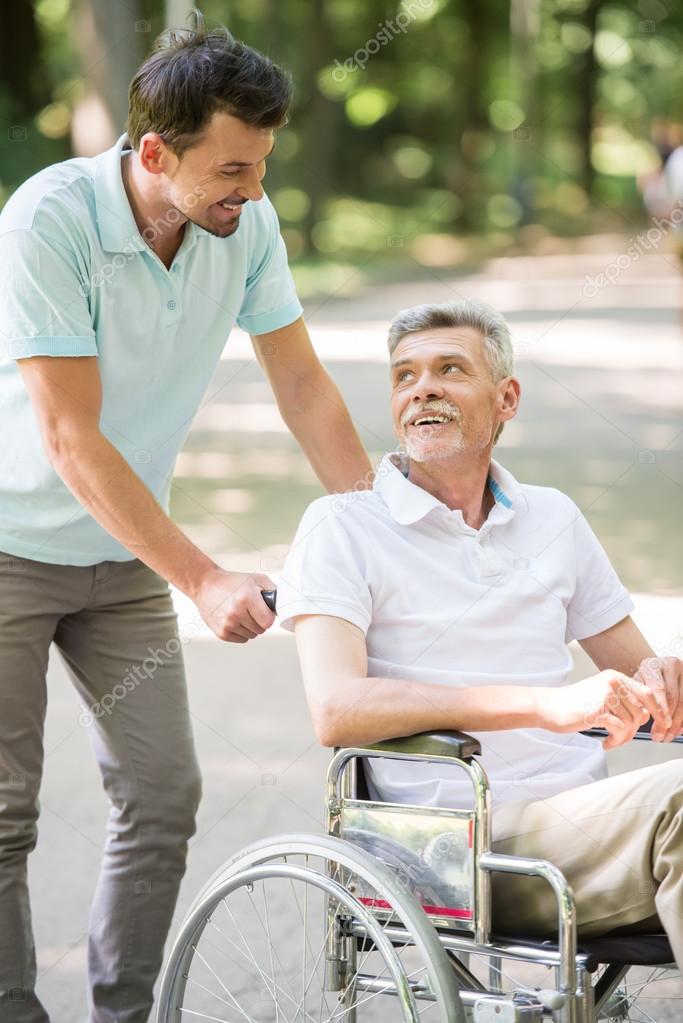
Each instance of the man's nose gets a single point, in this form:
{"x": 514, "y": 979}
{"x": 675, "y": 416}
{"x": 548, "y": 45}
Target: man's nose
{"x": 250, "y": 186}
{"x": 427, "y": 386}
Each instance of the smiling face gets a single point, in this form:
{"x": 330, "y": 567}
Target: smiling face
{"x": 213, "y": 179}
{"x": 444, "y": 399}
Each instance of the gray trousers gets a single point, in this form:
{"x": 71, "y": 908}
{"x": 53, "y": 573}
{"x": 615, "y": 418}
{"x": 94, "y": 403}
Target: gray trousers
{"x": 115, "y": 627}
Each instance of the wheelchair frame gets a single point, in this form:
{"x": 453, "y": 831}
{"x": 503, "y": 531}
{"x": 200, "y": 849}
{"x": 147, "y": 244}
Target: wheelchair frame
{"x": 574, "y": 999}
{"x": 457, "y": 748}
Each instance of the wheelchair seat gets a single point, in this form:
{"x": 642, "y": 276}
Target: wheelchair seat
{"x": 619, "y": 950}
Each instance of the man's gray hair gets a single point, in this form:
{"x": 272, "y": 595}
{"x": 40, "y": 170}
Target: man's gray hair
{"x": 478, "y": 315}
{"x": 466, "y": 313}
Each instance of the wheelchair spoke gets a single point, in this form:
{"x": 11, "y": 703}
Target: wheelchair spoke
{"x": 296, "y": 1006}
{"x": 280, "y": 944}
{"x": 250, "y": 957}
{"x": 272, "y": 951}
{"x": 270, "y": 946}
{"x": 276, "y": 988}
{"x": 203, "y": 1015}
{"x": 645, "y": 995}
{"x": 314, "y": 971}
{"x": 230, "y": 996}
{"x": 213, "y": 994}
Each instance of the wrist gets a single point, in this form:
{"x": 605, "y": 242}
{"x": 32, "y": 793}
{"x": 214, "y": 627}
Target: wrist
{"x": 541, "y": 708}
{"x": 197, "y": 570}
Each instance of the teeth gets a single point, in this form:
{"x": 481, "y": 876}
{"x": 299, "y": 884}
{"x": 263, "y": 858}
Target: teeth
{"x": 226, "y": 206}
{"x": 431, "y": 419}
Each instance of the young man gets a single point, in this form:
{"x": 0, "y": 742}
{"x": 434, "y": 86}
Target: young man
{"x": 121, "y": 278}
{"x": 445, "y": 598}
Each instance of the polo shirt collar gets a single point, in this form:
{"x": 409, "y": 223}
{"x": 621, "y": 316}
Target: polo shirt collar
{"x": 118, "y": 229}
{"x": 408, "y": 503}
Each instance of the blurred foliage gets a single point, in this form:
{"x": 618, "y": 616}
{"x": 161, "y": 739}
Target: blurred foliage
{"x": 416, "y": 124}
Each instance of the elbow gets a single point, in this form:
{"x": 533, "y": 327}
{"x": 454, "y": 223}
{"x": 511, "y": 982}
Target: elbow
{"x": 60, "y": 446}
{"x": 325, "y": 731}
{"x": 54, "y": 447}
{"x": 327, "y": 725}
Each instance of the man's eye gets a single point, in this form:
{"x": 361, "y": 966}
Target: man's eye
{"x": 229, "y": 174}
{"x": 452, "y": 366}
{"x": 401, "y": 376}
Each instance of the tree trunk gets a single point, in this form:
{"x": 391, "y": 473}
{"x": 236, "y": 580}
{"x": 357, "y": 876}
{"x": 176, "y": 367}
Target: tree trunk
{"x": 315, "y": 117}
{"x": 112, "y": 38}
{"x": 475, "y": 120}
{"x": 524, "y": 32}
{"x": 20, "y": 47}
{"x": 588, "y": 83}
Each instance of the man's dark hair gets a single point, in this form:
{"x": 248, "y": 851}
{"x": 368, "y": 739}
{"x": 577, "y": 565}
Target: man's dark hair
{"x": 194, "y": 72}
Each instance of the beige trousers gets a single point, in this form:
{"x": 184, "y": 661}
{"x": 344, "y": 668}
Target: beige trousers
{"x": 619, "y": 843}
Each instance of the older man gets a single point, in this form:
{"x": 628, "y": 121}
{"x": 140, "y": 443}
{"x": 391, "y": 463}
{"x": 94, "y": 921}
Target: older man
{"x": 445, "y": 598}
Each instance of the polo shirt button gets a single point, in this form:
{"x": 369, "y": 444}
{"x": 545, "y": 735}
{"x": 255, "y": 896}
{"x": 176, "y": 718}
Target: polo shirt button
{"x": 170, "y": 304}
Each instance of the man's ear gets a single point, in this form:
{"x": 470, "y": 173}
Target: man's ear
{"x": 153, "y": 153}
{"x": 508, "y": 398}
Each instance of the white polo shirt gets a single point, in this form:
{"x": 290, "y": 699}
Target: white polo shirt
{"x": 444, "y": 603}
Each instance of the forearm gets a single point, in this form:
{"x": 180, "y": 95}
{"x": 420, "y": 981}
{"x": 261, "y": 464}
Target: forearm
{"x": 104, "y": 483}
{"x": 622, "y": 647}
{"x": 323, "y": 427}
{"x": 372, "y": 709}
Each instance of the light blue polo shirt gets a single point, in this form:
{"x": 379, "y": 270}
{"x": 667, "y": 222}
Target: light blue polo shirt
{"x": 77, "y": 278}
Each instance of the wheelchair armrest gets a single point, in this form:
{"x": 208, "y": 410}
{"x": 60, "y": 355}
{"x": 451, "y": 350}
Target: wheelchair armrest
{"x": 458, "y": 745}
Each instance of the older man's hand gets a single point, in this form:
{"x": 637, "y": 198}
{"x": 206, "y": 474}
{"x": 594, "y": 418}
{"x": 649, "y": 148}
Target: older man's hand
{"x": 664, "y": 675}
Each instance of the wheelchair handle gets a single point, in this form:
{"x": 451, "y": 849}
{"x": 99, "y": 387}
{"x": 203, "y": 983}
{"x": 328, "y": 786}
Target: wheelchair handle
{"x": 270, "y": 597}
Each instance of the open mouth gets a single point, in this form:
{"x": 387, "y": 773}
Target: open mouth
{"x": 433, "y": 420}
{"x": 233, "y": 208}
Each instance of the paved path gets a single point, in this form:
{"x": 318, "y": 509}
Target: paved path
{"x": 602, "y": 379}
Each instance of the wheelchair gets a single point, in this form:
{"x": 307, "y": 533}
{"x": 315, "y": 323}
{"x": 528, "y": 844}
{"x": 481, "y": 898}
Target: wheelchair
{"x": 388, "y": 917}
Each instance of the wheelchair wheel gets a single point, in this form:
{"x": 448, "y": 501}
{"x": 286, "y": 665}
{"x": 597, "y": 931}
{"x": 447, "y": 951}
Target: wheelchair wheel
{"x": 646, "y": 994}
{"x": 278, "y": 935}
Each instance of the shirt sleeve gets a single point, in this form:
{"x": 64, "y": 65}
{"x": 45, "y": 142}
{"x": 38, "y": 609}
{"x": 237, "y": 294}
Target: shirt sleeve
{"x": 43, "y": 300}
{"x": 270, "y": 299}
{"x": 599, "y": 600}
{"x": 324, "y": 571}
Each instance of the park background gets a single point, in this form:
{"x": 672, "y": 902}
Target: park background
{"x": 437, "y": 149}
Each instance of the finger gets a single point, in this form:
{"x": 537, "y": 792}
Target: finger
{"x": 264, "y": 582}
{"x": 626, "y": 706}
{"x": 618, "y": 735}
{"x": 237, "y": 619}
{"x": 650, "y": 673}
{"x": 676, "y": 726}
{"x": 613, "y": 717}
{"x": 650, "y": 699}
{"x": 672, "y": 672}
{"x": 258, "y": 609}
{"x": 239, "y": 628}
{"x": 232, "y": 637}
{"x": 247, "y": 621}
{"x": 258, "y": 614}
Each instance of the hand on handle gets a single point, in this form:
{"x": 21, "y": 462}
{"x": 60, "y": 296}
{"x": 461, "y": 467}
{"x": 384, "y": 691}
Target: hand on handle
{"x": 233, "y": 604}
